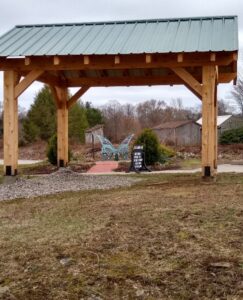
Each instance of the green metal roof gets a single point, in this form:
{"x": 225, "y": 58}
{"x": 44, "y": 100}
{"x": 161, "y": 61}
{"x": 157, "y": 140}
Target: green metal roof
{"x": 200, "y": 34}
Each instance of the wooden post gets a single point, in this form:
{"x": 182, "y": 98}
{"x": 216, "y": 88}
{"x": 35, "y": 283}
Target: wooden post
{"x": 216, "y": 130}
{"x": 209, "y": 125}
{"x": 10, "y": 123}
{"x": 62, "y": 127}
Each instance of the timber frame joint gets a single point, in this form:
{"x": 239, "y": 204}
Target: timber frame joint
{"x": 189, "y": 80}
{"x": 26, "y": 82}
{"x": 76, "y": 96}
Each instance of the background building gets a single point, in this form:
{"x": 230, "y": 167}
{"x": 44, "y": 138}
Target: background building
{"x": 97, "y": 129}
{"x": 226, "y": 122}
{"x": 181, "y": 133}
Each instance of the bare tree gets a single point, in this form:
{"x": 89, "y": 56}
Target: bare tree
{"x": 121, "y": 120}
{"x": 129, "y": 122}
{"x": 224, "y": 108}
{"x": 237, "y": 94}
{"x": 179, "y": 112}
{"x": 150, "y": 113}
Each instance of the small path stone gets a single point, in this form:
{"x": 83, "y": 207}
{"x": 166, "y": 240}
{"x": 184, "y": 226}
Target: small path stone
{"x": 66, "y": 261}
{"x": 5, "y": 293}
{"x": 103, "y": 167}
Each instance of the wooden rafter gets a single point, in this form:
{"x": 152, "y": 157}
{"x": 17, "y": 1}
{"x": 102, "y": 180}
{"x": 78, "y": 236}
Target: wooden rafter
{"x": 148, "y": 72}
{"x": 82, "y": 73}
{"x": 62, "y": 75}
{"x": 52, "y": 79}
{"x": 77, "y": 95}
{"x": 189, "y": 80}
{"x": 125, "y": 72}
{"x": 26, "y": 82}
{"x": 103, "y": 73}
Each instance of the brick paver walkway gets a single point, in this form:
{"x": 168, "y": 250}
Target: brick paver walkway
{"x": 103, "y": 167}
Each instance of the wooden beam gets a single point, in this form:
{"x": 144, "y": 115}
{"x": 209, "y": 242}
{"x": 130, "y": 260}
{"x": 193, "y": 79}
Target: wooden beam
{"x": 226, "y": 77}
{"x": 49, "y": 78}
{"x": 147, "y": 79}
{"x": 188, "y": 79}
{"x": 124, "y": 81}
{"x": 26, "y": 82}
{"x": 52, "y": 79}
{"x": 130, "y": 61}
{"x": 62, "y": 127}
{"x": 209, "y": 126}
{"x": 77, "y": 96}
{"x": 10, "y": 123}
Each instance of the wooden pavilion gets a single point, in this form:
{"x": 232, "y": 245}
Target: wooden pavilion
{"x": 199, "y": 53}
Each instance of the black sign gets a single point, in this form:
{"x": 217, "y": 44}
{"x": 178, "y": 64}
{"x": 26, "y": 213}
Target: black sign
{"x": 138, "y": 160}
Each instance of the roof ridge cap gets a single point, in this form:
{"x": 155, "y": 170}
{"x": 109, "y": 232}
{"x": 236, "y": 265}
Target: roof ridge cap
{"x": 126, "y": 21}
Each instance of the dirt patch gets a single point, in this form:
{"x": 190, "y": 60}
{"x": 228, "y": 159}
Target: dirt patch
{"x": 170, "y": 237}
{"x": 225, "y": 152}
{"x": 46, "y": 168}
{"x": 34, "y": 151}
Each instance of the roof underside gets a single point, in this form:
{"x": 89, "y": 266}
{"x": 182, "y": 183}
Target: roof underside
{"x": 202, "y": 34}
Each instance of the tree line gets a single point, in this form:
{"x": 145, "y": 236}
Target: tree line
{"x": 39, "y": 123}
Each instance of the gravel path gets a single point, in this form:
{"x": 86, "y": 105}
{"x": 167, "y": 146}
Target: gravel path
{"x": 60, "y": 181}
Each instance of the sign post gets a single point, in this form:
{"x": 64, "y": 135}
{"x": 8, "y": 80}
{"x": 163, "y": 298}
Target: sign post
{"x": 138, "y": 160}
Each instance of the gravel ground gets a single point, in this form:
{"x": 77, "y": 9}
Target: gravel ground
{"x": 60, "y": 181}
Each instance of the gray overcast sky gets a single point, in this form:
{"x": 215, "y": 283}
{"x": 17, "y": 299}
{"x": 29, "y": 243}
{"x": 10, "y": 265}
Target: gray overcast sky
{"x": 16, "y": 12}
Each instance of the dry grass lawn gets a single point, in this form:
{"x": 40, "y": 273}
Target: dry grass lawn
{"x": 168, "y": 237}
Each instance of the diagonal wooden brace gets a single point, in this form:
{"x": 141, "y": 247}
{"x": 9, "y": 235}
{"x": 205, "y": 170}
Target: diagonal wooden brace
{"x": 77, "y": 95}
{"x": 189, "y": 81}
{"x": 26, "y": 82}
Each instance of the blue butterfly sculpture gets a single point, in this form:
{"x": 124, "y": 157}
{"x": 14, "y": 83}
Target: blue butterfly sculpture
{"x": 108, "y": 150}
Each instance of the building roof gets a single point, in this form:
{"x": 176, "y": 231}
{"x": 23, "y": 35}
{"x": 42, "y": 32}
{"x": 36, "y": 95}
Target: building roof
{"x": 220, "y": 120}
{"x": 201, "y": 34}
{"x": 172, "y": 124}
{"x": 96, "y": 127}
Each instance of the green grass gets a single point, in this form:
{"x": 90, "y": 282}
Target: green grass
{"x": 192, "y": 163}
